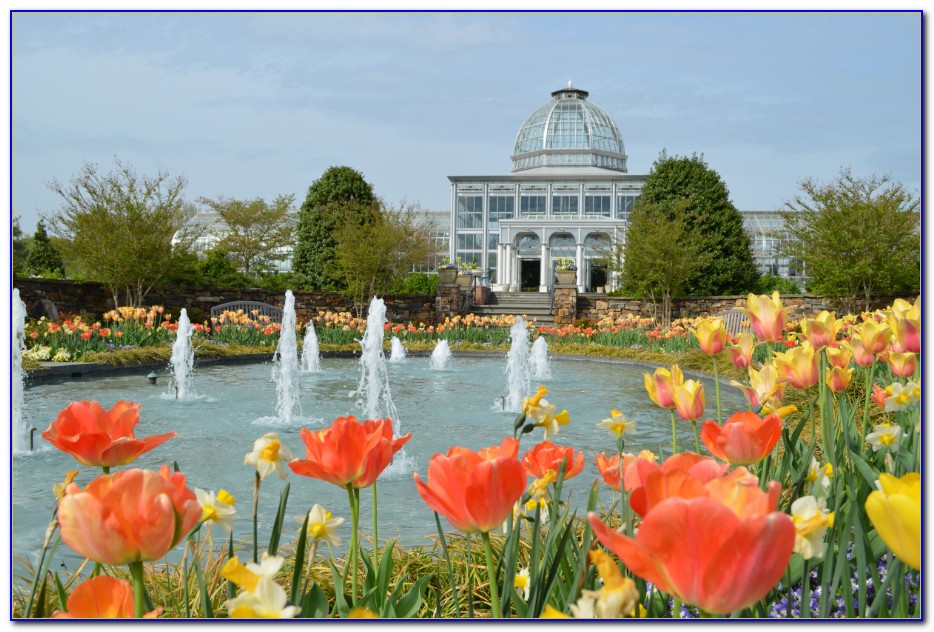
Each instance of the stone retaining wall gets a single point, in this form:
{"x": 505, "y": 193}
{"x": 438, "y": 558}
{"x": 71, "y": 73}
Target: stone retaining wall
{"x": 94, "y": 299}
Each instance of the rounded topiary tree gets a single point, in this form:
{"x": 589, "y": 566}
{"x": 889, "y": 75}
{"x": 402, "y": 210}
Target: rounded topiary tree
{"x": 43, "y": 257}
{"x": 711, "y": 221}
{"x": 341, "y": 195}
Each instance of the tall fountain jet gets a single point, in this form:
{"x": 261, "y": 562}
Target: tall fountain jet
{"x": 285, "y": 371}
{"x": 183, "y": 359}
{"x": 518, "y": 374}
{"x": 441, "y": 356}
{"x": 541, "y": 365}
{"x": 311, "y": 355}
{"x": 20, "y": 434}
{"x": 397, "y": 351}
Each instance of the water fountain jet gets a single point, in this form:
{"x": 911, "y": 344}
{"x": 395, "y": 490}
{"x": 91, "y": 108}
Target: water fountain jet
{"x": 541, "y": 365}
{"x": 518, "y": 374}
{"x": 183, "y": 359}
{"x": 311, "y": 355}
{"x": 285, "y": 370}
{"x": 397, "y": 353}
{"x": 20, "y": 441}
{"x": 441, "y": 356}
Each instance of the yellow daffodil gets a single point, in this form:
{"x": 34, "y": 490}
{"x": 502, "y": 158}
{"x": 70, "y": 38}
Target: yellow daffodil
{"x": 619, "y": 596}
{"x": 361, "y": 612}
{"x": 617, "y": 424}
{"x": 217, "y": 509}
{"x": 895, "y": 512}
{"x": 550, "y": 612}
{"x": 269, "y": 456}
{"x": 819, "y": 477}
{"x": 811, "y": 519}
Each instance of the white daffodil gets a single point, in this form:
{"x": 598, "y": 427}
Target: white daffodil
{"x": 901, "y": 396}
{"x": 322, "y": 525}
{"x": 617, "y": 424}
{"x": 217, "y": 509}
{"x": 267, "y": 601}
{"x": 523, "y": 583}
{"x": 811, "y": 519}
{"x": 269, "y": 456}
{"x": 885, "y": 436}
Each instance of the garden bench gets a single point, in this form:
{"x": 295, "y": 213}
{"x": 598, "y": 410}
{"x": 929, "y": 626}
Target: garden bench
{"x": 732, "y": 321}
{"x": 264, "y": 309}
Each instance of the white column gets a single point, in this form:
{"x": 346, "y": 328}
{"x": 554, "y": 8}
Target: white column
{"x": 580, "y": 267}
{"x": 507, "y": 266}
{"x": 545, "y": 269}
{"x": 499, "y": 268}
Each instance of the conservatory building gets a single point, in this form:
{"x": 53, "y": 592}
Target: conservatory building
{"x": 568, "y": 198}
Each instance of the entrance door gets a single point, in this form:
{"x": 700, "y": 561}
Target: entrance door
{"x": 530, "y": 272}
{"x": 597, "y": 277}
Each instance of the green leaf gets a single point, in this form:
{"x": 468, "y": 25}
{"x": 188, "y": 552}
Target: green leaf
{"x": 864, "y": 468}
{"x": 40, "y": 611}
{"x": 62, "y": 598}
{"x": 340, "y": 599}
{"x": 294, "y": 595}
{"x": 411, "y": 602}
{"x": 205, "y": 597}
{"x": 315, "y": 603}
{"x": 273, "y": 547}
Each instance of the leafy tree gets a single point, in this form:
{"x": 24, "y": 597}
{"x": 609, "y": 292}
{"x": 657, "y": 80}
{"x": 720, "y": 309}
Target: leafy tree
{"x": 339, "y": 196}
{"x": 768, "y": 283}
{"x": 711, "y": 220}
{"x": 44, "y": 258}
{"x": 856, "y": 236}
{"x": 20, "y": 248}
{"x": 120, "y": 227}
{"x": 416, "y": 283}
{"x": 374, "y": 253}
{"x": 256, "y": 233}
{"x": 660, "y": 254}
{"x": 217, "y": 269}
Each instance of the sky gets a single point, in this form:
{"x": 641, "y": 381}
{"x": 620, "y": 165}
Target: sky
{"x": 246, "y": 105}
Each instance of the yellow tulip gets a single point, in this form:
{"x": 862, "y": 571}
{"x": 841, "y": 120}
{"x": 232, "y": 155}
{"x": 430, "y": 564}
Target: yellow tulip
{"x": 840, "y": 356}
{"x": 711, "y": 335}
{"x": 905, "y": 323}
{"x": 873, "y": 335}
{"x": 902, "y": 364}
{"x": 660, "y": 385}
{"x": 895, "y": 512}
{"x": 689, "y": 400}
{"x": 838, "y": 379}
{"x": 767, "y": 315}
{"x": 821, "y": 330}
{"x": 798, "y": 364}
{"x": 765, "y": 387}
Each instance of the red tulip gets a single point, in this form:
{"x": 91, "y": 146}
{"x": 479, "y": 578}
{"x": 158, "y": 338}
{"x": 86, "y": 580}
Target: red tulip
{"x": 610, "y": 469}
{"x": 99, "y": 437}
{"x": 744, "y": 439}
{"x": 131, "y": 516}
{"x": 701, "y": 469}
{"x": 102, "y": 597}
{"x": 702, "y": 551}
{"x": 475, "y": 491}
{"x": 547, "y": 456}
{"x": 348, "y": 452}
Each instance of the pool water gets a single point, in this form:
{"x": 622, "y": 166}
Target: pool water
{"x": 234, "y": 406}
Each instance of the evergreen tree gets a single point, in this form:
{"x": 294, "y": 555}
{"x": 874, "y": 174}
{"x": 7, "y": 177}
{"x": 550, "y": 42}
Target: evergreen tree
{"x": 711, "y": 221}
{"x": 44, "y": 258}
{"x": 20, "y": 248}
{"x": 340, "y": 196}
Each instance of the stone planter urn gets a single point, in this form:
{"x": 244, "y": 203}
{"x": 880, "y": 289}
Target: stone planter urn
{"x": 447, "y": 275}
{"x": 566, "y": 277}
{"x": 464, "y": 280}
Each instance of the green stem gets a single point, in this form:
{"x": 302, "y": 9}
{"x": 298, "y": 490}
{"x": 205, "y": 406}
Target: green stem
{"x": 674, "y": 434}
{"x": 45, "y": 547}
{"x": 869, "y": 376}
{"x": 805, "y": 592}
{"x": 675, "y": 608}
{"x": 139, "y": 590}
{"x": 354, "y": 518}
{"x": 106, "y": 469}
{"x": 716, "y": 381}
{"x": 491, "y": 575}
{"x": 375, "y": 530}
{"x": 256, "y": 482}
{"x": 696, "y": 437}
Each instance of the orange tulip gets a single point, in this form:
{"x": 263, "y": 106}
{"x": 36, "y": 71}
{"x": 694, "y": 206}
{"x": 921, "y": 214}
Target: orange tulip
{"x": 348, "y": 452}
{"x": 799, "y": 365}
{"x": 611, "y": 471}
{"x": 743, "y": 439}
{"x": 102, "y": 597}
{"x": 131, "y": 516}
{"x": 711, "y": 335}
{"x": 689, "y": 400}
{"x": 546, "y": 456}
{"x": 741, "y": 352}
{"x": 838, "y": 379}
{"x": 675, "y": 470}
{"x": 767, "y": 315}
{"x": 902, "y": 364}
{"x": 702, "y": 551}
{"x": 99, "y": 437}
{"x": 821, "y": 330}
{"x": 660, "y": 385}
{"x": 879, "y": 395}
{"x": 475, "y": 491}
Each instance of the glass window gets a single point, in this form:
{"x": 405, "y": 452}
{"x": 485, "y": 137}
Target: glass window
{"x": 532, "y": 205}
{"x": 501, "y": 207}
{"x": 564, "y": 204}
{"x": 469, "y": 211}
{"x": 597, "y": 205}
{"x": 469, "y": 241}
{"x": 624, "y": 204}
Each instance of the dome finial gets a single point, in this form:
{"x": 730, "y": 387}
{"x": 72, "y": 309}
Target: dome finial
{"x": 569, "y": 83}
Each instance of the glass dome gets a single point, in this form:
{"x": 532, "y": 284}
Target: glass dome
{"x": 569, "y": 131}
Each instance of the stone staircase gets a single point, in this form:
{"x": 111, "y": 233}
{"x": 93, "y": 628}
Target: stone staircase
{"x": 532, "y": 304}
